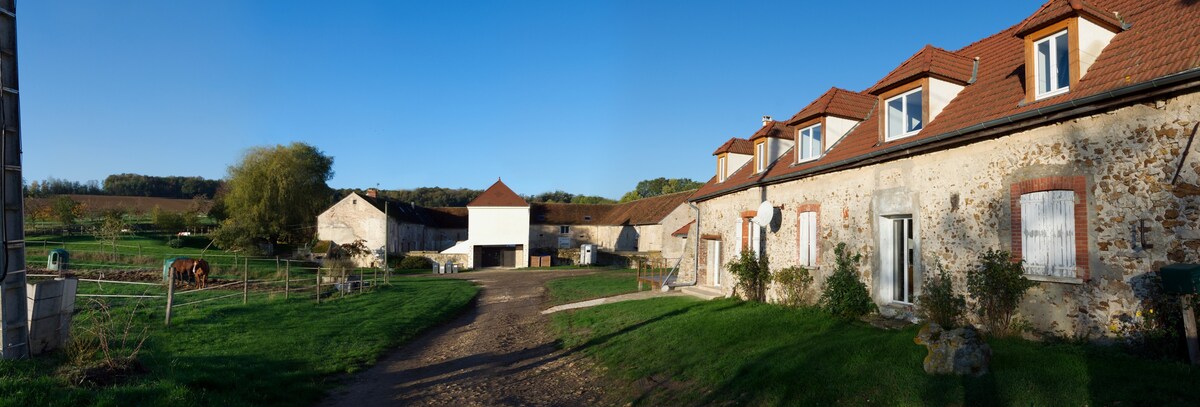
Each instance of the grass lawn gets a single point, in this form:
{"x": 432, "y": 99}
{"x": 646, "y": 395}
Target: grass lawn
{"x": 601, "y": 284}
{"x": 278, "y": 352}
{"x": 722, "y": 351}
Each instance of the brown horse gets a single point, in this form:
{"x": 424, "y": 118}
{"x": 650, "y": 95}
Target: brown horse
{"x": 191, "y": 269}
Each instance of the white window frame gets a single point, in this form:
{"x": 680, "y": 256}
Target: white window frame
{"x": 564, "y": 230}
{"x": 1048, "y": 233}
{"x": 1054, "y": 68}
{"x": 807, "y": 247}
{"x": 760, "y": 157}
{"x": 722, "y": 167}
{"x": 804, "y": 138}
{"x": 904, "y": 111}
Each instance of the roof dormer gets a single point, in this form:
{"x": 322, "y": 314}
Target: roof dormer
{"x": 732, "y": 155}
{"x": 917, "y": 91}
{"x": 770, "y": 142}
{"x": 1062, "y": 40}
{"x": 826, "y": 120}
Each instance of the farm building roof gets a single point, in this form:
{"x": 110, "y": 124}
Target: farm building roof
{"x": 499, "y": 195}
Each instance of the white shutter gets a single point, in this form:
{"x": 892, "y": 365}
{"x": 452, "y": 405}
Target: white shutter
{"x": 808, "y": 238}
{"x": 755, "y": 238}
{"x": 1048, "y": 233}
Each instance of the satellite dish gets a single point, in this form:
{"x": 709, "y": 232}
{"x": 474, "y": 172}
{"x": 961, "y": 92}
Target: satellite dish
{"x": 766, "y": 214}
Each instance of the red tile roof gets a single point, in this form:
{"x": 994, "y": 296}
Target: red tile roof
{"x": 736, "y": 146}
{"x": 772, "y": 128}
{"x": 929, "y": 61}
{"x": 683, "y": 231}
{"x": 836, "y": 102}
{"x": 499, "y": 195}
{"x": 1055, "y": 10}
{"x": 646, "y": 211}
{"x": 1163, "y": 40}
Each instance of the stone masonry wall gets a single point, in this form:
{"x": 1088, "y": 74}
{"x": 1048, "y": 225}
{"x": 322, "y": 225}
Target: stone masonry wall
{"x": 959, "y": 200}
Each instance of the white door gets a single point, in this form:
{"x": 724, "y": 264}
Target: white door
{"x": 897, "y": 251}
{"x": 714, "y": 263}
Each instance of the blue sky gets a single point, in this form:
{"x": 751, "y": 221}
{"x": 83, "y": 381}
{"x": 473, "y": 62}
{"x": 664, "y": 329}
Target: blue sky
{"x": 587, "y": 97}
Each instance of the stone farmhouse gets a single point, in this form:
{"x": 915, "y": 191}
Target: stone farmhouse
{"x": 1066, "y": 139}
{"x": 500, "y": 229}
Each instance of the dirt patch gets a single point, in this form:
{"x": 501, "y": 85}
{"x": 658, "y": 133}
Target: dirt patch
{"x": 103, "y": 374}
{"x": 498, "y": 352}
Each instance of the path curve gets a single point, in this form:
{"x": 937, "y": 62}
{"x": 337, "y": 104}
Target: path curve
{"x": 498, "y": 352}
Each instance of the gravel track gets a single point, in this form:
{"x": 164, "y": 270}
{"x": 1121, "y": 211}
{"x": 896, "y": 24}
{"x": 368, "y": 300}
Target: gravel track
{"x": 498, "y": 352}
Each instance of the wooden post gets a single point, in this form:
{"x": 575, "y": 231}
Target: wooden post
{"x": 375, "y": 279}
{"x": 1189, "y": 328}
{"x": 245, "y": 282}
{"x": 343, "y": 290}
{"x": 170, "y": 294}
{"x": 139, "y": 250}
{"x": 287, "y": 279}
{"x": 318, "y": 284}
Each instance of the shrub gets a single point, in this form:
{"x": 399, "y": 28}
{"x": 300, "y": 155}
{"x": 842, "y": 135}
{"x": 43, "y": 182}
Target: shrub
{"x": 997, "y": 286}
{"x": 844, "y": 295}
{"x": 415, "y": 263}
{"x": 175, "y": 243}
{"x": 753, "y": 274}
{"x": 794, "y": 283}
{"x": 166, "y": 221}
{"x": 938, "y": 303}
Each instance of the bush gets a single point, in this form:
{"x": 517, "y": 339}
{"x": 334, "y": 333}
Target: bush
{"x": 997, "y": 286}
{"x": 753, "y": 274}
{"x": 844, "y": 294}
{"x": 938, "y": 303}
{"x": 794, "y": 283}
{"x": 415, "y": 263}
{"x": 175, "y": 243}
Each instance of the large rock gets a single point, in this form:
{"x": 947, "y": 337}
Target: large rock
{"x": 958, "y": 351}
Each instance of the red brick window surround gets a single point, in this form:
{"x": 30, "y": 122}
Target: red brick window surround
{"x": 1076, "y": 184}
{"x": 807, "y": 230}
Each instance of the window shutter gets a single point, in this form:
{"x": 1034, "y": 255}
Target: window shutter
{"x": 807, "y": 231}
{"x": 1048, "y": 233}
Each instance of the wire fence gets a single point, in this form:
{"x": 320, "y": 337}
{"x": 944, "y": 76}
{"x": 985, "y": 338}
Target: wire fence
{"x": 291, "y": 279}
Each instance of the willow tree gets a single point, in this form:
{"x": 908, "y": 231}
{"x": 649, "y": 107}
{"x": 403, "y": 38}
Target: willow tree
{"x": 274, "y": 195}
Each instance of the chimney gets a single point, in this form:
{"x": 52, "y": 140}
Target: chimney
{"x": 766, "y": 119}
{"x": 372, "y": 192}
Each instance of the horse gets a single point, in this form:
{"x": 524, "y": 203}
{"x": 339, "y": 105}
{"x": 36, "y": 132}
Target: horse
{"x": 191, "y": 269}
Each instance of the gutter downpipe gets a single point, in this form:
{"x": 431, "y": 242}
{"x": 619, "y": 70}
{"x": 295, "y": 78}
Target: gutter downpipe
{"x": 1169, "y": 80}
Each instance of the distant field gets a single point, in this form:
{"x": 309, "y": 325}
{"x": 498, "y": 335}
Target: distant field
{"x": 132, "y": 204}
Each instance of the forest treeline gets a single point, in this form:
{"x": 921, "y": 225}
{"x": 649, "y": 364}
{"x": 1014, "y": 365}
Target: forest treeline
{"x": 128, "y": 185}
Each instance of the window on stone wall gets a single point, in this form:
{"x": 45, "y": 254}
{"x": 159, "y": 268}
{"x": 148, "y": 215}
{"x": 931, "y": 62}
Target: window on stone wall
{"x": 807, "y": 229}
{"x": 1048, "y": 233}
{"x": 565, "y": 230}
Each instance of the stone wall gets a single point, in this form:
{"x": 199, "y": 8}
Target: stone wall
{"x": 960, "y": 201}
{"x": 440, "y": 258}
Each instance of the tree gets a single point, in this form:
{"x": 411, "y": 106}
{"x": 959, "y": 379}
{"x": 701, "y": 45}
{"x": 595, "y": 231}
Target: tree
{"x": 166, "y": 221}
{"x": 660, "y": 186}
{"x": 65, "y": 210}
{"x": 275, "y": 194}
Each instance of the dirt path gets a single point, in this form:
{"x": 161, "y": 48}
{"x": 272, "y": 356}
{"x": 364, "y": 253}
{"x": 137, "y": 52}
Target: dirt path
{"x": 499, "y": 352}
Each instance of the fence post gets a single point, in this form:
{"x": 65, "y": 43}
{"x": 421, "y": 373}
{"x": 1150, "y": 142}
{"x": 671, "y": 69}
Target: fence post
{"x": 318, "y": 285}
{"x": 245, "y": 283}
{"x": 375, "y": 279}
{"x": 287, "y": 279}
{"x": 170, "y": 294}
{"x": 139, "y": 250}
{"x": 343, "y": 290}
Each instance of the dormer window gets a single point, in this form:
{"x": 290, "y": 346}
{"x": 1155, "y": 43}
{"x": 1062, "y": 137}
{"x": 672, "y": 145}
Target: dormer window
{"x": 904, "y": 114}
{"x": 722, "y": 167}
{"x": 809, "y": 139}
{"x": 760, "y": 156}
{"x": 1062, "y": 41}
{"x": 1053, "y": 64}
